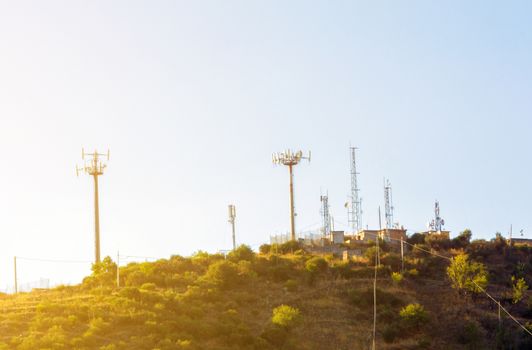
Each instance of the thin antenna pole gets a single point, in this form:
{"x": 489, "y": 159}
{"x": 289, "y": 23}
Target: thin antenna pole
{"x": 16, "y": 279}
{"x": 290, "y": 159}
{"x": 377, "y": 262}
{"x": 402, "y": 257}
{"x": 96, "y": 221}
{"x": 118, "y": 269}
{"x": 292, "y": 210}
{"x": 94, "y": 167}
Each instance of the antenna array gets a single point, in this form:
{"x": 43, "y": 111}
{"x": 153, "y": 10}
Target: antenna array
{"x": 290, "y": 159}
{"x": 94, "y": 167}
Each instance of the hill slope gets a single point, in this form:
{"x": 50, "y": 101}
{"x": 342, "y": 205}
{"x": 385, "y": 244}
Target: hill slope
{"x": 211, "y": 302}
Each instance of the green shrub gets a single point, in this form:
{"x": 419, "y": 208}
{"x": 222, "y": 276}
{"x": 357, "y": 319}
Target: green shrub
{"x": 466, "y": 275}
{"x": 413, "y": 315}
{"x": 265, "y": 249}
{"x": 519, "y": 287}
{"x": 291, "y": 285}
{"x": 316, "y": 265}
{"x": 286, "y": 316}
{"x": 397, "y": 277}
{"x": 223, "y": 274}
{"x": 243, "y": 252}
{"x": 391, "y": 332}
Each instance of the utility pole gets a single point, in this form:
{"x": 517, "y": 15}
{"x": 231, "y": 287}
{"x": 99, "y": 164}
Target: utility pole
{"x": 232, "y": 217}
{"x": 94, "y": 167}
{"x": 118, "y": 269}
{"x": 402, "y": 257}
{"x": 290, "y": 159}
{"x": 16, "y": 279}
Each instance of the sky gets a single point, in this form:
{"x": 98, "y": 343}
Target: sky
{"x": 193, "y": 97}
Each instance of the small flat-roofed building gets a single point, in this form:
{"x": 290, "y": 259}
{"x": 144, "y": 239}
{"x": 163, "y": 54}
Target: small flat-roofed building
{"x": 522, "y": 241}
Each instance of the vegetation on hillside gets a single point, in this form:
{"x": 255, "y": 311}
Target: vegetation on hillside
{"x": 286, "y": 298}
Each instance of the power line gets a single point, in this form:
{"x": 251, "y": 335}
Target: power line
{"x": 476, "y": 284}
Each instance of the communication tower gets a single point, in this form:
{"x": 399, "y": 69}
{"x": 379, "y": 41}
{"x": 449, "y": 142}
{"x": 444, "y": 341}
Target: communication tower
{"x": 388, "y": 206}
{"x": 232, "y": 217}
{"x": 437, "y": 223}
{"x": 325, "y": 216}
{"x": 354, "y": 209}
{"x": 94, "y": 167}
{"x": 290, "y": 159}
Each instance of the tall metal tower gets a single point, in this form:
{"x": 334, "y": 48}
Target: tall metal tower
{"x": 94, "y": 167}
{"x": 388, "y": 206}
{"x": 232, "y": 217}
{"x": 354, "y": 210}
{"x": 325, "y": 215}
{"x": 290, "y": 159}
{"x": 437, "y": 223}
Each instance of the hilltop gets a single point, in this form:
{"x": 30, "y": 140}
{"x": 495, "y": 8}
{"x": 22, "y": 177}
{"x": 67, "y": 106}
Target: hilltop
{"x": 290, "y": 299}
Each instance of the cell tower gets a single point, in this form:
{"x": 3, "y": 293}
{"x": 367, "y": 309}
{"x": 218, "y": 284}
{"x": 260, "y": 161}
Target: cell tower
{"x": 94, "y": 167}
{"x": 388, "y": 206}
{"x": 290, "y": 159}
{"x": 437, "y": 223}
{"x": 354, "y": 209}
{"x": 325, "y": 215}
{"x": 232, "y": 217}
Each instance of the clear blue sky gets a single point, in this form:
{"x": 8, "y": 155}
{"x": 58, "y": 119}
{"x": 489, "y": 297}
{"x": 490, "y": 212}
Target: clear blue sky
{"x": 192, "y": 97}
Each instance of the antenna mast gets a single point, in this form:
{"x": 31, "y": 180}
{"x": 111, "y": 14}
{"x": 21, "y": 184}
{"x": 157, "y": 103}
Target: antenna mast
{"x": 437, "y": 223}
{"x": 290, "y": 159}
{"x": 325, "y": 216}
{"x": 388, "y": 206}
{"x": 94, "y": 167}
{"x": 355, "y": 209}
{"x": 232, "y": 217}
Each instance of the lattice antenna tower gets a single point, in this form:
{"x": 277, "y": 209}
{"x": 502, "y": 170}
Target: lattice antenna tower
{"x": 355, "y": 207}
{"x": 388, "y": 205}
{"x": 94, "y": 166}
{"x": 325, "y": 215}
{"x": 290, "y": 159}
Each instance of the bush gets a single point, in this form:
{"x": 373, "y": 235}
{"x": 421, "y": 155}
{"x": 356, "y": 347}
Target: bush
{"x": 286, "y": 316}
{"x": 391, "y": 259}
{"x": 397, "y": 277}
{"x": 391, "y": 332}
{"x": 243, "y": 252}
{"x": 466, "y": 275}
{"x": 291, "y": 285}
{"x": 223, "y": 274}
{"x": 265, "y": 249}
{"x": 316, "y": 265}
{"x": 519, "y": 288}
{"x": 413, "y": 272}
{"x": 470, "y": 334}
{"x": 413, "y": 315}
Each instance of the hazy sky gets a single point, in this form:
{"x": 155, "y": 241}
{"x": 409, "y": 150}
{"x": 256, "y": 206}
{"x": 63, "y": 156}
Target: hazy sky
{"x": 192, "y": 97}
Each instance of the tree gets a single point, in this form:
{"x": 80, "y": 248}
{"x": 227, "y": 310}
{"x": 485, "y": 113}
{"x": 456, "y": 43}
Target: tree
{"x": 462, "y": 240}
{"x": 243, "y": 252}
{"x": 416, "y": 238}
{"x": 413, "y": 315}
{"x": 467, "y": 276}
{"x": 286, "y": 316}
{"x": 519, "y": 288}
